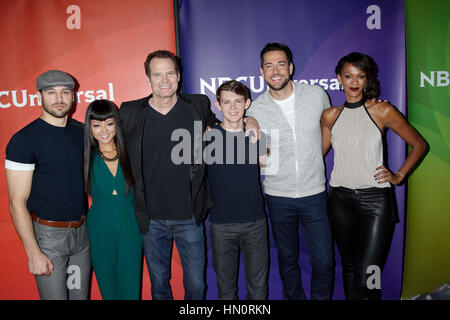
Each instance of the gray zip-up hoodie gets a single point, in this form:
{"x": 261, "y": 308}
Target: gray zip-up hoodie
{"x": 299, "y": 169}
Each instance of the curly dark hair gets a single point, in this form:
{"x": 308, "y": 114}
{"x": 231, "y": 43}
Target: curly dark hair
{"x": 366, "y": 64}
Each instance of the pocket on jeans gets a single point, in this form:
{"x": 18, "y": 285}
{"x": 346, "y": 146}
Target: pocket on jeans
{"x": 46, "y": 233}
{"x": 51, "y": 241}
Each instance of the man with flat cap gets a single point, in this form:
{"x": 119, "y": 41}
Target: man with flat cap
{"x": 44, "y": 174}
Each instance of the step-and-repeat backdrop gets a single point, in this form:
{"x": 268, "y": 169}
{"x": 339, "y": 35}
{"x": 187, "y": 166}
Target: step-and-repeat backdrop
{"x": 222, "y": 40}
{"x": 104, "y": 43}
{"x": 427, "y": 247}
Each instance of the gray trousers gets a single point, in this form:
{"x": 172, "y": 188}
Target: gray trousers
{"x": 68, "y": 249}
{"x": 251, "y": 239}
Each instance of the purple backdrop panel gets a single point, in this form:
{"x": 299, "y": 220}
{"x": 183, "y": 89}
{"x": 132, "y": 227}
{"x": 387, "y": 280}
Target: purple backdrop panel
{"x": 221, "y": 40}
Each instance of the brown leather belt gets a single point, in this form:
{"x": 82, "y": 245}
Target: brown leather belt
{"x": 59, "y": 224}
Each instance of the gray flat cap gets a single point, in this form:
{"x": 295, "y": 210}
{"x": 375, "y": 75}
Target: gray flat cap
{"x": 53, "y": 78}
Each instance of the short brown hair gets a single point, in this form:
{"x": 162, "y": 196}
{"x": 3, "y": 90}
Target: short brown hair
{"x": 163, "y": 54}
{"x": 234, "y": 86}
{"x": 275, "y": 46}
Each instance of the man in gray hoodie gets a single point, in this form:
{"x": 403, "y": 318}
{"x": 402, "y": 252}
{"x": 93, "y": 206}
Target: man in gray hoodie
{"x": 290, "y": 114}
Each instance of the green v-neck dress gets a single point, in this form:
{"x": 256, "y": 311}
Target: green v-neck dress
{"x": 115, "y": 240}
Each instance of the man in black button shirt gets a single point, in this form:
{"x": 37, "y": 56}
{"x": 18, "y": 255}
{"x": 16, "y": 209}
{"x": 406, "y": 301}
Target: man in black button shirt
{"x": 44, "y": 173}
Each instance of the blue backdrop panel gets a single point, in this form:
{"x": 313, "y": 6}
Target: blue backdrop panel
{"x": 221, "y": 40}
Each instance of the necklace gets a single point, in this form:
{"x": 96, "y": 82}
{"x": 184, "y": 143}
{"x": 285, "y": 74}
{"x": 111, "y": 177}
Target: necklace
{"x": 354, "y": 105}
{"x": 108, "y": 159}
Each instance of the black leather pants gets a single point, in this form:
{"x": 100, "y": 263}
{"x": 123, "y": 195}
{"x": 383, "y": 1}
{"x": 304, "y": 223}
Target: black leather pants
{"x": 362, "y": 223}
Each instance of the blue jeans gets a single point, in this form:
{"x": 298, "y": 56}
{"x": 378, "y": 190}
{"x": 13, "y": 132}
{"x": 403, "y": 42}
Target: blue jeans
{"x": 311, "y": 212}
{"x": 190, "y": 243}
{"x": 251, "y": 239}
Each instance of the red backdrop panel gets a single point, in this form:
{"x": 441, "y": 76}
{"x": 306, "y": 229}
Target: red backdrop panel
{"x": 103, "y": 44}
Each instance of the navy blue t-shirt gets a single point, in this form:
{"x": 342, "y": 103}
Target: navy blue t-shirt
{"x": 167, "y": 182}
{"x": 57, "y": 191}
{"x": 234, "y": 177}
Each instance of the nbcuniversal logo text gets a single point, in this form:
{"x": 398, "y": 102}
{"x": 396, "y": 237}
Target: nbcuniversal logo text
{"x": 435, "y": 79}
{"x": 21, "y": 98}
{"x": 256, "y": 84}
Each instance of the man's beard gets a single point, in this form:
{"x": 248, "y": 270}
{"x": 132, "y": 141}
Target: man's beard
{"x": 55, "y": 113}
{"x": 284, "y": 84}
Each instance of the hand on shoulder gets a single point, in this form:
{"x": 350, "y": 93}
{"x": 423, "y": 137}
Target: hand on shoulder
{"x": 381, "y": 108}
{"x": 384, "y": 113}
{"x": 377, "y": 100}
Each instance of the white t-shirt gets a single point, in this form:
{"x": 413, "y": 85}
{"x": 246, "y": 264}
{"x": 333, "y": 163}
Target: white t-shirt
{"x": 288, "y": 107}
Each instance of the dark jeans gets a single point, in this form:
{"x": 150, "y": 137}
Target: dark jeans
{"x": 189, "y": 239}
{"x": 311, "y": 213}
{"x": 251, "y": 238}
{"x": 362, "y": 222}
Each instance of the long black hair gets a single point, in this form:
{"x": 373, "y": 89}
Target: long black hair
{"x": 102, "y": 110}
{"x": 366, "y": 64}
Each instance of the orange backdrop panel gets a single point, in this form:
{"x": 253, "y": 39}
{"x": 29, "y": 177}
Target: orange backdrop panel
{"x": 103, "y": 44}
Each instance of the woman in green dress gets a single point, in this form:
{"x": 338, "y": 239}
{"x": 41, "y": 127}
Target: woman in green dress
{"x": 115, "y": 240}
